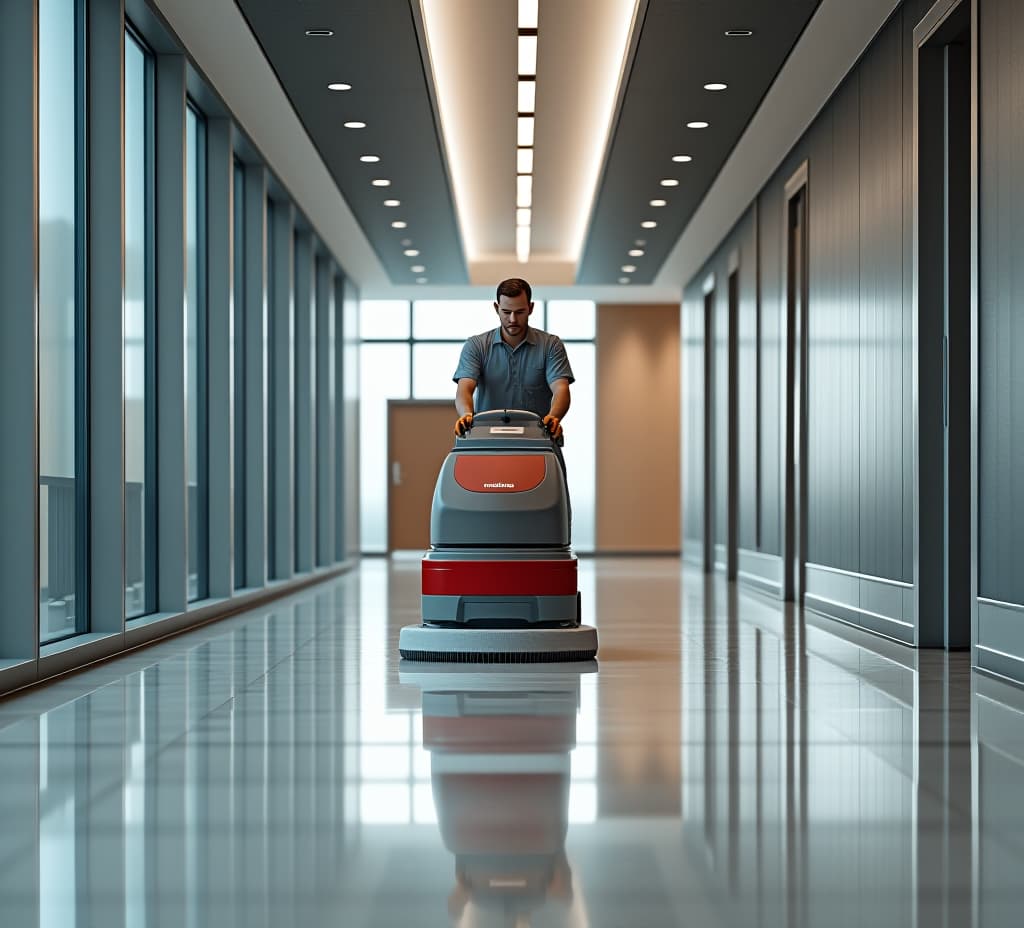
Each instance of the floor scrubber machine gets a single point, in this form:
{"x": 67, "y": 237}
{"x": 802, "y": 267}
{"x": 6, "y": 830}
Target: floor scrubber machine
{"x": 499, "y": 582}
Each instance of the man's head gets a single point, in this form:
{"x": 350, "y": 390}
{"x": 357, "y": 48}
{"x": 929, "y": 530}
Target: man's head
{"x": 514, "y": 305}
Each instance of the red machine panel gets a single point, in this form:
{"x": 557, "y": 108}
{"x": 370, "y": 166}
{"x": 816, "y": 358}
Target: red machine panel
{"x": 499, "y": 473}
{"x": 499, "y": 578}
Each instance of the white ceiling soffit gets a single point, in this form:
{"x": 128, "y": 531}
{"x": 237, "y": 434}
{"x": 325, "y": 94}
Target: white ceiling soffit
{"x": 220, "y": 42}
{"x": 632, "y": 295}
{"x": 582, "y": 50}
{"x": 833, "y": 41}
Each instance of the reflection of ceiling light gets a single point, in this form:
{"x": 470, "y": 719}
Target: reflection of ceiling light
{"x": 697, "y": 124}
{"x": 381, "y": 182}
{"x": 669, "y": 182}
{"x": 527, "y": 55}
{"x": 398, "y": 224}
{"x": 523, "y": 217}
{"x": 421, "y": 280}
{"x": 738, "y": 33}
{"x": 636, "y": 252}
{"x": 527, "y": 96}
{"x": 628, "y": 268}
{"x": 648, "y": 224}
{"x": 682, "y": 159}
{"x": 659, "y": 202}
{"x": 523, "y": 244}
{"x": 417, "y": 268}
{"x": 524, "y": 191}
{"x": 411, "y": 253}
{"x": 318, "y": 33}
{"x": 339, "y": 86}
{"x": 369, "y": 159}
{"x": 354, "y": 124}
{"x": 525, "y": 131}
{"x": 392, "y": 202}
{"x": 524, "y": 161}
{"x": 527, "y": 14}
{"x": 623, "y": 280}
{"x": 715, "y": 86}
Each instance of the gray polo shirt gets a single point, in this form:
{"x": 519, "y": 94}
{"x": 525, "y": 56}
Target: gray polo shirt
{"x": 514, "y": 378}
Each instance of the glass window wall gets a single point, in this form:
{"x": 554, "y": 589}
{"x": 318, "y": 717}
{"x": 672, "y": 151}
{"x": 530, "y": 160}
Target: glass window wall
{"x": 62, "y": 341}
{"x": 239, "y": 386}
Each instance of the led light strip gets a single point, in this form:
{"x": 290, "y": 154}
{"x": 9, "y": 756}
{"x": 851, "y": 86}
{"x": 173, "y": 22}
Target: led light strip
{"x": 525, "y": 119}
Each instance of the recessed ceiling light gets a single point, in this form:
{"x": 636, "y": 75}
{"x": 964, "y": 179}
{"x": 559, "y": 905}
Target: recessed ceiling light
{"x": 398, "y": 224}
{"x": 417, "y": 268}
{"x": 354, "y": 124}
{"x": 527, "y": 55}
{"x": 523, "y": 244}
{"x": 669, "y": 182}
{"x": 697, "y": 124}
{"x": 525, "y": 131}
{"x": 648, "y": 224}
{"x": 317, "y": 33}
{"x": 524, "y": 161}
{"x": 406, "y": 242}
{"x": 636, "y": 252}
{"x": 716, "y": 86}
{"x": 381, "y": 182}
{"x": 421, "y": 280}
{"x": 411, "y": 253}
{"x": 524, "y": 191}
{"x": 640, "y": 242}
{"x": 682, "y": 159}
{"x": 369, "y": 159}
{"x": 628, "y": 268}
{"x": 392, "y": 202}
{"x": 659, "y": 202}
{"x": 523, "y": 217}
{"x": 527, "y": 96}
{"x": 528, "y": 14}
{"x": 337, "y": 85}
{"x": 623, "y": 280}
{"x": 738, "y": 33}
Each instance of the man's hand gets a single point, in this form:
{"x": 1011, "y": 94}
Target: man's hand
{"x": 553, "y": 425}
{"x": 463, "y": 424}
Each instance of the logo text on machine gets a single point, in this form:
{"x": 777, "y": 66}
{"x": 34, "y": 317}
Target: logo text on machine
{"x": 499, "y": 486}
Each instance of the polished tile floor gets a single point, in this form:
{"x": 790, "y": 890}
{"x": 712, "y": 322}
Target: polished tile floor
{"x": 726, "y": 763}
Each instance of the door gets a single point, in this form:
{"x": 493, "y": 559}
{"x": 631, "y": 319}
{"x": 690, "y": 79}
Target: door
{"x": 943, "y": 306}
{"x": 419, "y": 439}
{"x": 795, "y": 386}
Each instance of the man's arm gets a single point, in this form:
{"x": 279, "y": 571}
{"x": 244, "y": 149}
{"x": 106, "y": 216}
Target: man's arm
{"x": 560, "y": 401}
{"x": 464, "y": 404}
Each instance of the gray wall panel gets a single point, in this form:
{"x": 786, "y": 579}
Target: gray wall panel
{"x": 693, "y": 417}
{"x": 1001, "y": 320}
{"x": 746, "y": 245}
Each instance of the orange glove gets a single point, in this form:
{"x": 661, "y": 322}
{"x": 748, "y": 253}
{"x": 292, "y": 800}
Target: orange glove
{"x": 463, "y": 424}
{"x": 554, "y": 426}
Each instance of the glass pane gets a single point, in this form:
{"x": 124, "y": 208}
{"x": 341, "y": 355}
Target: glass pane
{"x": 572, "y": 318}
{"x": 580, "y": 444}
{"x": 59, "y": 322}
{"x": 383, "y": 319}
{"x": 383, "y": 375}
{"x": 138, "y": 452}
{"x": 452, "y": 318}
{"x": 195, "y": 442}
{"x": 239, "y": 340}
{"x": 432, "y": 369}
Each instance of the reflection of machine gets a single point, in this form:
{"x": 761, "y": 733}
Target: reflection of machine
{"x": 499, "y": 746}
{"x": 499, "y": 581}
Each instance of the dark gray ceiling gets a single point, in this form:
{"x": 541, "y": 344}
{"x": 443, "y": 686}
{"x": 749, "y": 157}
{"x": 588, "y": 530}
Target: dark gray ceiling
{"x": 682, "y": 46}
{"x": 376, "y": 48}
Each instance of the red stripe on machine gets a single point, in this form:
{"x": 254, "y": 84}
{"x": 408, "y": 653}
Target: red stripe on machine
{"x": 499, "y": 578}
{"x": 499, "y": 473}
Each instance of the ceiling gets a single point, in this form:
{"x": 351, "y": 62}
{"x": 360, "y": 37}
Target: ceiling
{"x": 465, "y": 232}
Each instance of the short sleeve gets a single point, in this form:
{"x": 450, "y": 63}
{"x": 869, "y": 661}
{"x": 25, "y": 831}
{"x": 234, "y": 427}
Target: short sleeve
{"x": 470, "y": 361}
{"x": 557, "y": 366}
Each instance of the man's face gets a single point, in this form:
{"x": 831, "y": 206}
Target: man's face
{"x": 513, "y": 313}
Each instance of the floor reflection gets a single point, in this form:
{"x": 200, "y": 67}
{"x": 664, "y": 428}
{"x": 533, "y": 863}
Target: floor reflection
{"x": 731, "y": 763}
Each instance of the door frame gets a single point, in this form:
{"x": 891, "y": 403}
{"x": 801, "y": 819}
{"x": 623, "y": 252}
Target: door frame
{"x": 732, "y": 291}
{"x": 936, "y": 17}
{"x": 794, "y": 390}
{"x": 708, "y": 310}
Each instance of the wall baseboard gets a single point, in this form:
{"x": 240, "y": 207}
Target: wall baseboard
{"x": 1000, "y": 639}
{"x": 885, "y": 607}
{"x": 762, "y": 572}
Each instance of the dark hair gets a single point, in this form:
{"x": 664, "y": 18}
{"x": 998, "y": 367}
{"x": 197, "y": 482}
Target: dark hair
{"x": 513, "y": 287}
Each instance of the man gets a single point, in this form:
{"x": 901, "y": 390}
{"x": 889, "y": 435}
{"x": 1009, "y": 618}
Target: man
{"x": 513, "y": 366}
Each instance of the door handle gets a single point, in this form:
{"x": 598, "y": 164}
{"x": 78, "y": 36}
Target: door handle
{"x": 396, "y": 473}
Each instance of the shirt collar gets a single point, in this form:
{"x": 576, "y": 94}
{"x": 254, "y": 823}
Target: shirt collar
{"x": 531, "y": 336}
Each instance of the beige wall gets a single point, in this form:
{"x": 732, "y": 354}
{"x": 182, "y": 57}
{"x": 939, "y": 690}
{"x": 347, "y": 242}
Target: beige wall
{"x": 638, "y": 428}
